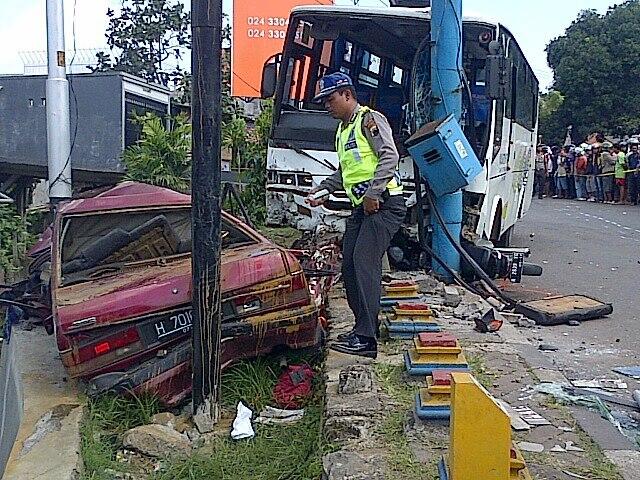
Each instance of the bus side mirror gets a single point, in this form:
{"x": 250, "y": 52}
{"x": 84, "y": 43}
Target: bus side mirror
{"x": 270, "y": 77}
{"x": 498, "y": 77}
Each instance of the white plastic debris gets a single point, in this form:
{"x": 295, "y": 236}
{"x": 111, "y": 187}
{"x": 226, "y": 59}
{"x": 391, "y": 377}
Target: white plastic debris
{"x": 571, "y": 447}
{"x": 272, "y": 416}
{"x": 242, "y": 424}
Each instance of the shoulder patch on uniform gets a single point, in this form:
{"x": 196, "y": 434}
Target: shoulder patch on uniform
{"x": 372, "y": 126}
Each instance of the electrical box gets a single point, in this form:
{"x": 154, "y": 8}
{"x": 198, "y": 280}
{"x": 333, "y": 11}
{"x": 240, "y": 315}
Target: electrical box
{"x": 444, "y": 156}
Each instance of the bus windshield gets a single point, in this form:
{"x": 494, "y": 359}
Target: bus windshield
{"x": 378, "y": 52}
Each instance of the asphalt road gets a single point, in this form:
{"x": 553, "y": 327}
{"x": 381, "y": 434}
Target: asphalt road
{"x": 591, "y": 249}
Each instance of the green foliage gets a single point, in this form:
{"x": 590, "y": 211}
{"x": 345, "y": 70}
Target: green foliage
{"x": 291, "y": 452}
{"x": 276, "y": 453}
{"x": 14, "y": 239}
{"x": 147, "y": 38}
{"x": 161, "y": 156}
{"x": 254, "y": 193}
{"x": 234, "y": 137}
{"x": 596, "y": 65}
{"x": 550, "y": 130}
{"x": 106, "y": 421}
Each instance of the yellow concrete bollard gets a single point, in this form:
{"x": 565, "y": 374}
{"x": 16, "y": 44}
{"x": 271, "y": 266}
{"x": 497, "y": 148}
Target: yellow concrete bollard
{"x": 481, "y": 445}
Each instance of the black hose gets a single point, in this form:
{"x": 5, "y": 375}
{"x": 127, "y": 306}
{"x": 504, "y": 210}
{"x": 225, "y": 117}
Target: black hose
{"x": 451, "y": 272}
{"x": 479, "y": 271}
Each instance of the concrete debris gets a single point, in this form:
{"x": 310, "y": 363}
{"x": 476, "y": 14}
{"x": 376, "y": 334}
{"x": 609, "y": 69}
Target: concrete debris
{"x": 571, "y": 447}
{"x": 574, "y": 323}
{"x": 345, "y": 465}
{"x": 545, "y": 347}
{"x": 355, "y": 379}
{"x": 167, "y": 419}
{"x": 525, "y": 322}
{"x": 472, "y": 311}
{"x": 531, "y": 417}
{"x": 157, "y": 441}
{"x": 274, "y": 416}
{"x": 574, "y": 475}
{"x": 49, "y": 422}
{"x": 428, "y": 284}
{"x": 495, "y": 303}
{"x": 517, "y": 423}
{"x": 557, "y": 449}
{"x": 452, "y": 297}
{"x": 611, "y": 383}
{"x": 531, "y": 447}
{"x": 512, "y": 318}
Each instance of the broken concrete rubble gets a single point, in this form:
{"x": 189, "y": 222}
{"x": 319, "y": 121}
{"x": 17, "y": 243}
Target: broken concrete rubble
{"x": 452, "y": 297}
{"x": 355, "y": 379}
{"x": 157, "y": 441}
{"x": 345, "y": 465}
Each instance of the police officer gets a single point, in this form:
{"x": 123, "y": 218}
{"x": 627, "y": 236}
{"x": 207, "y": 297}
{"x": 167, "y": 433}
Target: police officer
{"x": 368, "y": 173}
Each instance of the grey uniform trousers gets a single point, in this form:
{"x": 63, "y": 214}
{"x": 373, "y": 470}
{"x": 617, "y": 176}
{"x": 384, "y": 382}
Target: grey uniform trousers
{"x": 365, "y": 241}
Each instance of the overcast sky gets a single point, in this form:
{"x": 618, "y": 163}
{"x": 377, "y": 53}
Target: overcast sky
{"x": 534, "y": 23}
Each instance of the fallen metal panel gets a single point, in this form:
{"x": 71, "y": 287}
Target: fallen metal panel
{"x": 562, "y": 309}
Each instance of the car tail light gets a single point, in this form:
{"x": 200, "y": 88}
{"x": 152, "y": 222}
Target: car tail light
{"x": 298, "y": 281}
{"x": 109, "y": 344}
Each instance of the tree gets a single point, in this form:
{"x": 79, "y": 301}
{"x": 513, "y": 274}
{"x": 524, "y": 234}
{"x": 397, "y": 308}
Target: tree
{"x": 147, "y": 38}
{"x": 255, "y": 178}
{"x": 162, "y": 156}
{"x": 596, "y": 66}
{"x": 234, "y": 136}
{"x": 550, "y": 128}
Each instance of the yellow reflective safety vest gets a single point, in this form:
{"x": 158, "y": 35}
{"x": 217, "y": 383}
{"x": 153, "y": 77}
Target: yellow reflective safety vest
{"x": 358, "y": 160}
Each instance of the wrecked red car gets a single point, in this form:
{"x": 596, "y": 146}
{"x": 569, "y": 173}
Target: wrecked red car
{"x": 121, "y": 292}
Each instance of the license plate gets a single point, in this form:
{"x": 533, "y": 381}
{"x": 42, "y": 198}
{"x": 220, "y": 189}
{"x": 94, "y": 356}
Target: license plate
{"x": 166, "y": 328}
{"x": 174, "y": 325}
{"x": 179, "y": 323}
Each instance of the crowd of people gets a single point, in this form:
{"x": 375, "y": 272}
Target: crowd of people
{"x": 599, "y": 172}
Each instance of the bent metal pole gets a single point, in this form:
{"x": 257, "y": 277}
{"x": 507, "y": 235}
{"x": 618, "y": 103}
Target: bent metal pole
{"x": 206, "y": 54}
{"x": 57, "y": 106}
{"x": 446, "y": 85}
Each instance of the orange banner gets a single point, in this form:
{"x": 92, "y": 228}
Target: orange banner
{"x": 259, "y": 30}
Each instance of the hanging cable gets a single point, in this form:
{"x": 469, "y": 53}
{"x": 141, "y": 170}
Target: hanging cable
{"x": 477, "y": 268}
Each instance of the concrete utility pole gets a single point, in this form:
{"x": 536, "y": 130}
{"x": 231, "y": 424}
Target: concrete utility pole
{"x": 206, "y": 55}
{"x": 57, "y": 98}
{"x": 446, "y": 85}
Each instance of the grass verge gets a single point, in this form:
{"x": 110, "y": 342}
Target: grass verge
{"x": 292, "y": 452}
{"x": 479, "y": 369}
{"x": 106, "y": 421}
{"x": 401, "y": 461}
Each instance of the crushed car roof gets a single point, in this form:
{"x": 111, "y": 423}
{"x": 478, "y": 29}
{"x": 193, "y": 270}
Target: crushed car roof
{"x": 127, "y": 195}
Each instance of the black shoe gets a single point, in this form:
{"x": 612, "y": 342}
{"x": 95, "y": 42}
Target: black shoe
{"x": 346, "y": 337}
{"x": 357, "y": 346}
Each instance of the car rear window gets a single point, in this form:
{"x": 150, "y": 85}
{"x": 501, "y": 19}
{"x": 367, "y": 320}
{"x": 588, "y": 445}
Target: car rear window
{"x": 91, "y": 241}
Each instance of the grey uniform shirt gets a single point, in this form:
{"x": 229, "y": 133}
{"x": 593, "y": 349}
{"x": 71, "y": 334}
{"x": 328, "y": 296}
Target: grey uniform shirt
{"x": 376, "y": 128}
